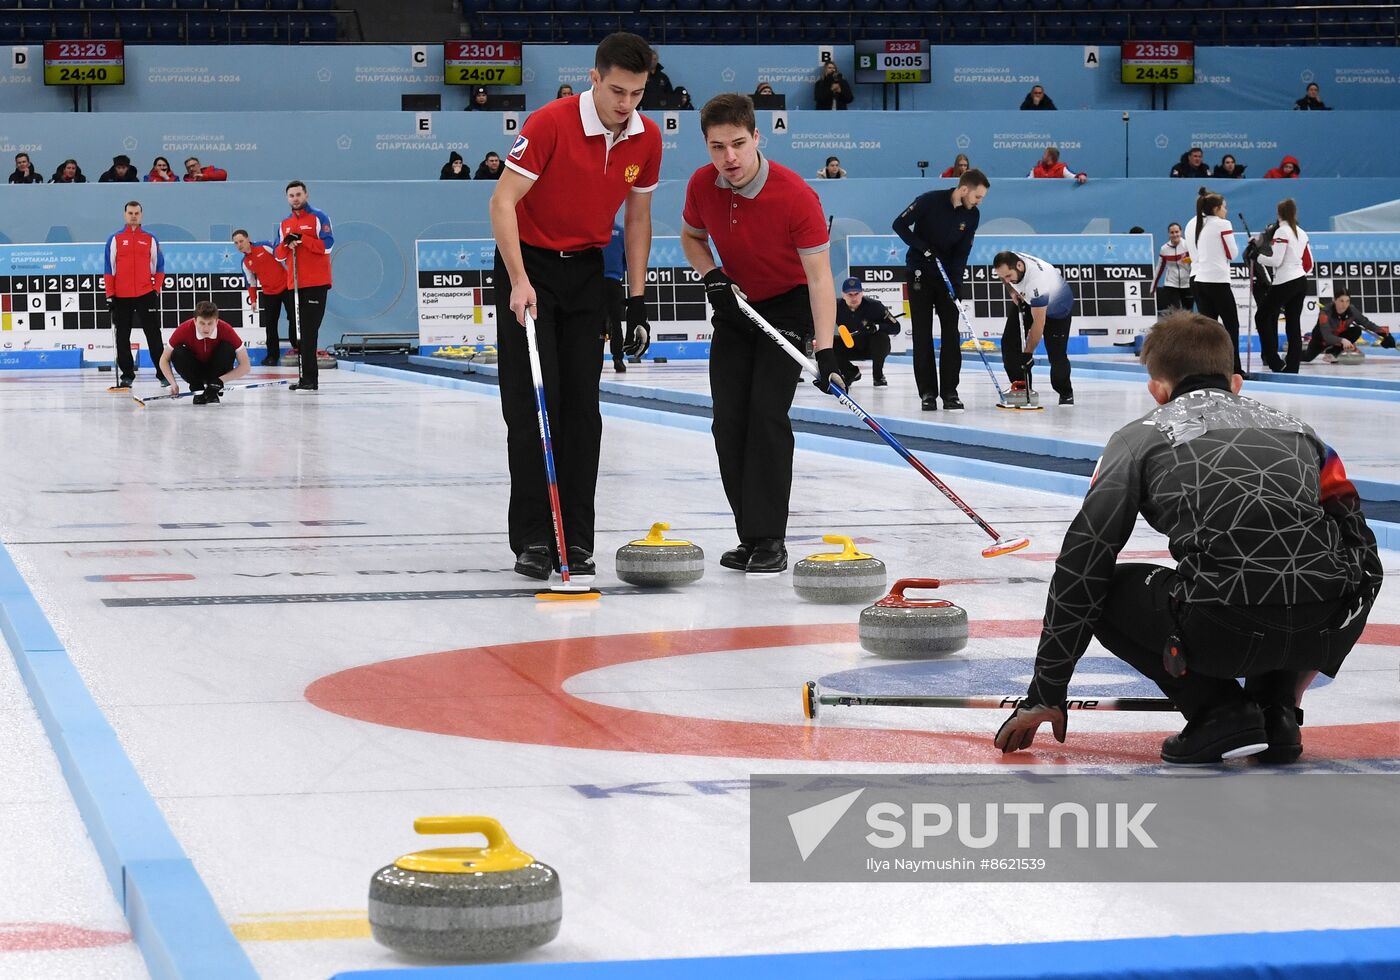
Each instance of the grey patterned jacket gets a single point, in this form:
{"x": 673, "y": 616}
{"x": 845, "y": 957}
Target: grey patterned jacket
{"x": 1257, "y": 510}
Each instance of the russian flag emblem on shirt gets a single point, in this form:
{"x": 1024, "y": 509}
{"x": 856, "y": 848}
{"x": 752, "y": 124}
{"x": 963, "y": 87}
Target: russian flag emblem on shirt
{"x": 518, "y": 150}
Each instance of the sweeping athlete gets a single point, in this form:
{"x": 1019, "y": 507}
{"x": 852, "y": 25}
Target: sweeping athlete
{"x": 1276, "y": 568}
{"x": 1041, "y": 297}
{"x": 574, "y": 164}
{"x": 768, "y": 227}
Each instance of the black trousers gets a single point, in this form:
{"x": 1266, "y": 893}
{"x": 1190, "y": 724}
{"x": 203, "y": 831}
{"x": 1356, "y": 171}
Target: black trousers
{"x": 1324, "y": 340}
{"x": 1056, "y": 339}
{"x": 1217, "y": 301}
{"x": 752, "y": 383}
{"x": 198, "y": 373}
{"x": 569, "y": 295}
{"x": 1288, "y": 299}
{"x": 305, "y": 324}
{"x": 615, "y": 302}
{"x": 872, "y": 347}
{"x": 1272, "y": 647}
{"x": 136, "y": 311}
{"x": 270, "y": 306}
{"x": 1173, "y": 298}
{"x": 928, "y": 295}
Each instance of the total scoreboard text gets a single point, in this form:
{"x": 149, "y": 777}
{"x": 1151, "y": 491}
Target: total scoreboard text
{"x": 1110, "y": 276}
{"x": 893, "y": 62}
{"x": 457, "y": 293}
{"x": 1158, "y": 62}
{"x": 52, "y": 297}
{"x": 482, "y": 63}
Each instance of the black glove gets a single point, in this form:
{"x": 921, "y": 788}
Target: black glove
{"x": 829, "y": 369}
{"x": 1028, "y": 362}
{"x": 1018, "y": 731}
{"x": 214, "y": 386}
{"x": 1388, "y": 342}
{"x": 1251, "y": 252}
{"x": 720, "y": 291}
{"x": 291, "y": 237}
{"x": 638, "y": 329}
{"x": 870, "y": 326}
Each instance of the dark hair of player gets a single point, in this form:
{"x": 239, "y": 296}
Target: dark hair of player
{"x": 1184, "y": 344}
{"x": 728, "y": 109}
{"x": 622, "y": 50}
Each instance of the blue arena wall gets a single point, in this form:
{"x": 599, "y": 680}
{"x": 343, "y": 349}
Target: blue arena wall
{"x": 377, "y": 222}
{"x": 174, "y": 78}
{"x": 392, "y": 145}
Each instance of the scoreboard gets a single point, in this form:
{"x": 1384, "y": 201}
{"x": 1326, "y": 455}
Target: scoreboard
{"x": 482, "y": 63}
{"x": 1158, "y": 62}
{"x": 893, "y": 62}
{"x": 1108, "y": 274}
{"x": 457, "y": 296}
{"x": 52, "y": 297}
{"x": 84, "y": 63}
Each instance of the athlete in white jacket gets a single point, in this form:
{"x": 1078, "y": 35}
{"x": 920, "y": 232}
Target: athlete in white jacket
{"x": 1210, "y": 242}
{"x": 1288, "y": 254}
{"x": 1172, "y": 283}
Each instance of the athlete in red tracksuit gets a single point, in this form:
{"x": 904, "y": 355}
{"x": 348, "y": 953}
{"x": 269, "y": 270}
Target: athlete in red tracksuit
{"x": 304, "y": 242}
{"x": 266, "y": 275}
{"x": 134, "y": 272}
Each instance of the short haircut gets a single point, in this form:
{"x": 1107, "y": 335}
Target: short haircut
{"x": 20, "y": 155}
{"x": 1008, "y": 259}
{"x": 295, "y": 183}
{"x": 206, "y": 309}
{"x": 240, "y": 231}
{"x": 1184, "y": 344}
{"x": 188, "y": 159}
{"x": 1195, "y": 149}
{"x": 1340, "y": 293}
{"x": 131, "y": 204}
{"x": 974, "y": 178}
{"x": 1053, "y": 152}
{"x": 728, "y": 109}
{"x": 1174, "y": 224}
{"x": 831, "y": 160}
{"x": 622, "y": 50}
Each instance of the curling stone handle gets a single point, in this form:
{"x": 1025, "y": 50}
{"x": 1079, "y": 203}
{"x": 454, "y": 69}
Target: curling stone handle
{"x": 488, "y": 827}
{"x": 897, "y": 600}
{"x": 656, "y": 535}
{"x": 848, "y": 547}
{"x": 913, "y": 583}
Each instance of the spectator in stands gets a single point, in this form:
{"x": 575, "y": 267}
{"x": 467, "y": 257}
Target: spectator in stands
{"x": 120, "y": 172}
{"x": 160, "y": 172}
{"x": 1288, "y": 168}
{"x": 194, "y": 171}
{"x": 764, "y": 89}
{"x": 489, "y": 168}
{"x": 683, "y": 99}
{"x": 1037, "y": 99}
{"x": 1310, "y": 100}
{"x": 1339, "y": 327}
{"x": 564, "y": 91}
{"x": 1228, "y": 168}
{"x": 658, "y": 82}
{"x": 832, "y": 91}
{"x": 24, "y": 171}
{"x": 1191, "y": 164}
{"x": 69, "y": 172}
{"x": 455, "y": 168}
{"x": 833, "y": 169}
{"x": 960, "y": 166}
{"x": 1051, "y": 167}
{"x": 480, "y": 97}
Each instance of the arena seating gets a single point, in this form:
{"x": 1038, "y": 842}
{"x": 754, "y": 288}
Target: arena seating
{"x": 1235, "y": 22}
{"x": 176, "y": 21}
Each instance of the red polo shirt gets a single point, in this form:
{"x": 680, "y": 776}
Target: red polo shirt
{"x": 581, "y": 173}
{"x": 761, "y": 230}
{"x": 186, "y": 335}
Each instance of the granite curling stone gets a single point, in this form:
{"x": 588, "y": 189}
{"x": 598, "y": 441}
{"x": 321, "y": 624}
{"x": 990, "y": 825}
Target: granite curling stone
{"x": 655, "y": 561}
{"x": 847, "y": 575}
{"x": 1351, "y": 357}
{"x": 465, "y": 902}
{"x": 913, "y": 629}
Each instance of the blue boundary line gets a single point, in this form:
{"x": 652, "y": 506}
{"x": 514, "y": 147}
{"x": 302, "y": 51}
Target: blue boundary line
{"x": 1387, "y": 534}
{"x": 1332, "y": 954}
{"x": 173, "y": 919}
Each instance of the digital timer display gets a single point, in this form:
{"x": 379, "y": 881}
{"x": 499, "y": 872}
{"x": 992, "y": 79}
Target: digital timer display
{"x": 1158, "y": 62}
{"x": 893, "y": 62}
{"x": 84, "y": 63}
{"x": 481, "y": 63}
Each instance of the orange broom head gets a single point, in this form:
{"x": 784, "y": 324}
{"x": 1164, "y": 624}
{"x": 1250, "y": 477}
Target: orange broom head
{"x": 1005, "y": 546}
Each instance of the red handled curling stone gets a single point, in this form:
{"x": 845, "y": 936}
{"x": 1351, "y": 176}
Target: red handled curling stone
{"x": 913, "y": 629}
